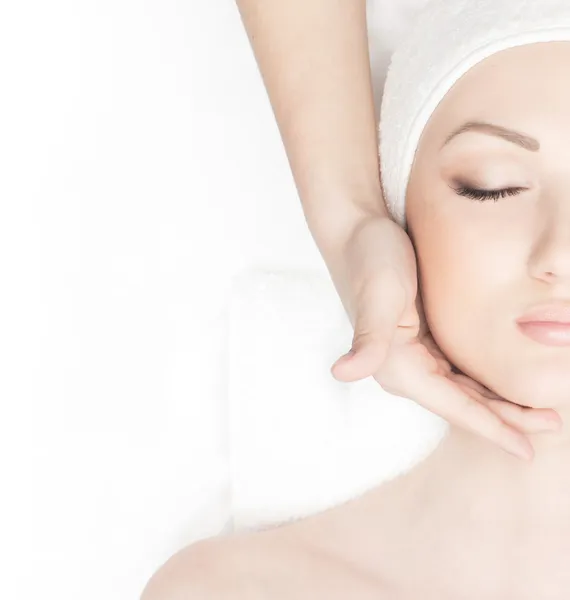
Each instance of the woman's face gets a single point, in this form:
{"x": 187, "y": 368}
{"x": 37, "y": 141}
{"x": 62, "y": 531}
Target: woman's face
{"x": 484, "y": 262}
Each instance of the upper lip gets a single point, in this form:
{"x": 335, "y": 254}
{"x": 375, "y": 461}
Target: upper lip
{"x": 553, "y": 312}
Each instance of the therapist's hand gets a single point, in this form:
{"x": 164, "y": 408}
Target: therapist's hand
{"x": 392, "y": 343}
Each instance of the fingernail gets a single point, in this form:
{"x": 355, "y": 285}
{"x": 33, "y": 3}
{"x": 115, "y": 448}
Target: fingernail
{"x": 551, "y": 422}
{"x": 553, "y": 425}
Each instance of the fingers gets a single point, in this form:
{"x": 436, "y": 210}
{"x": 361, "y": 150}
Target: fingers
{"x": 365, "y": 358}
{"x": 373, "y": 336}
{"x": 444, "y": 366}
{"x": 381, "y": 305}
{"x": 531, "y": 420}
{"x": 445, "y": 398}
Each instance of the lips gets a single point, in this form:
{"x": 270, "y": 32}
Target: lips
{"x": 547, "y": 313}
{"x": 547, "y": 324}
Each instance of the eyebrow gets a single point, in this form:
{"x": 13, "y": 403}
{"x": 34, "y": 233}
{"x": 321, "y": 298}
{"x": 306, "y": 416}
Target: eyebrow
{"x": 515, "y": 137}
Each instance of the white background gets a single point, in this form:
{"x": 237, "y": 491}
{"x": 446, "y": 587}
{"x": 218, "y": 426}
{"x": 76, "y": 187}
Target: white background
{"x": 141, "y": 169}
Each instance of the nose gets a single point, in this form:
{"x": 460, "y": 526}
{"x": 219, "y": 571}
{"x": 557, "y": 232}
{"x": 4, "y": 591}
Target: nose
{"x": 550, "y": 258}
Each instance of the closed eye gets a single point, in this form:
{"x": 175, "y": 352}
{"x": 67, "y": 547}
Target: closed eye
{"x": 484, "y": 195}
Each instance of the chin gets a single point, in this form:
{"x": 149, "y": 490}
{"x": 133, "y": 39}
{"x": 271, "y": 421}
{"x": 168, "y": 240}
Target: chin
{"x": 536, "y": 386}
{"x": 528, "y": 377}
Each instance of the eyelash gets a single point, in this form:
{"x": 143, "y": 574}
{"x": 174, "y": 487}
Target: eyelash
{"x": 485, "y": 195}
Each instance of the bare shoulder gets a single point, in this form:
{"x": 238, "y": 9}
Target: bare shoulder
{"x": 221, "y": 568}
{"x": 206, "y": 570}
{"x": 268, "y": 565}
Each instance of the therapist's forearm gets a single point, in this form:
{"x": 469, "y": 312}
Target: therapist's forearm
{"x": 313, "y": 57}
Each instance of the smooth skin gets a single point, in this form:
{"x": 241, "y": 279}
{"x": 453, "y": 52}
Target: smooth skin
{"x": 470, "y": 521}
{"x": 313, "y": 57}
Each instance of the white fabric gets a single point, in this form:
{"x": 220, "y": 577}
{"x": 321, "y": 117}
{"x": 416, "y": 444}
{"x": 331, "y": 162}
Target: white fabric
{"x": 447, "y": 39}
{"x": 388, "y": 22}
{"x": 300, "y": 441}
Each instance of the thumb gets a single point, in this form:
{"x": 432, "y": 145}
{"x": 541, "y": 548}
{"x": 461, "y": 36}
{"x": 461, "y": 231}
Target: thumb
{"x": 374, "y": 330}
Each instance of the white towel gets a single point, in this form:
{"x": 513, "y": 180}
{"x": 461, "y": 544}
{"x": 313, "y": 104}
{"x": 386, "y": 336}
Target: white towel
{"x": 300, "y": 441}
{"x": 447, "y": 39}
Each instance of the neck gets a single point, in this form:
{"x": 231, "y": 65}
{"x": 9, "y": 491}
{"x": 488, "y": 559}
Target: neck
{"x": 477, "y": 480}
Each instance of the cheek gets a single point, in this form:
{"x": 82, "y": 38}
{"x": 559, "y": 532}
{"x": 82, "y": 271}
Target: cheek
{"x": 448, "y": 277}
{"x": 463, "y": 275}
{"x": 471, "y": 266}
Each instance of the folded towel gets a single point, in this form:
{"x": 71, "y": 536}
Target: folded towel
{"x": 447, "y": 39}
{"x": 300, "y": 441}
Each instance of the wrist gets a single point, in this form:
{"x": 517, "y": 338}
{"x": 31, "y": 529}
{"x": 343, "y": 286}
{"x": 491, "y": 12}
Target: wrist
{"x": 333, "y": 230}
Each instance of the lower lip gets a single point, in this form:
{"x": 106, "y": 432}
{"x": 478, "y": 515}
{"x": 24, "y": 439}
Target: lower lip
{"x": 547, "y": 333}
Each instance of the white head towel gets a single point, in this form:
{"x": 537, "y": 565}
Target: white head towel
{"x": 448, "y": 38}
